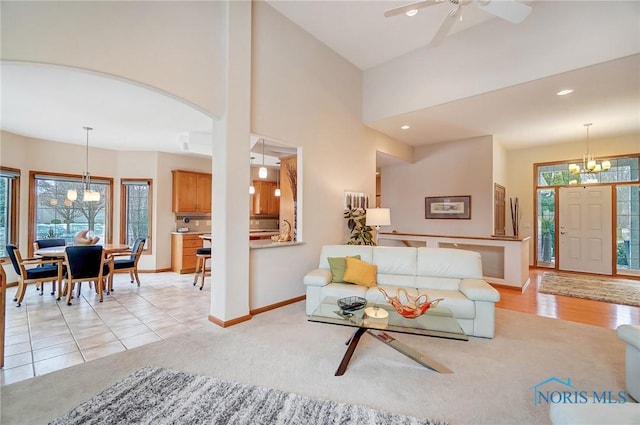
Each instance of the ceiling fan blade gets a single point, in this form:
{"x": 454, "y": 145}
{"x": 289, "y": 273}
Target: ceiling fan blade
{"x": 509, "y": 10}
{"x": 413, "y": 6}
{"x": 448, "y": 22}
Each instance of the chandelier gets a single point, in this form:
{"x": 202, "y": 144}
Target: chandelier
{"x": 589, "y": 164}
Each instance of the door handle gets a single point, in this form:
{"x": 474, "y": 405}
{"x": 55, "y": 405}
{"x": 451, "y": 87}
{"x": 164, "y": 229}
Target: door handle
{"x": 562, "y": 233}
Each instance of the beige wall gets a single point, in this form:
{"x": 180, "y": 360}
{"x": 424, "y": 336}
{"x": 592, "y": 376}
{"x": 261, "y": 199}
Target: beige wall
{"x": 520, "y": 170}
{"x": 458, "y": 168}
{"x": 306, "y": 95}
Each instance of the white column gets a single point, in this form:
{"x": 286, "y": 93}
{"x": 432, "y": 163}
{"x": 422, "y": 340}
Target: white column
{"x": 230, "y": 209}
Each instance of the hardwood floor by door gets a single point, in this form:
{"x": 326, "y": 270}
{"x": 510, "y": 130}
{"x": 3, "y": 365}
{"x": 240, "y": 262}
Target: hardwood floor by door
{"x": 571, "y": 309}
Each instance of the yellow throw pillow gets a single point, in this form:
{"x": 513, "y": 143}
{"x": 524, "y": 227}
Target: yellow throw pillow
{"x": 360, "y": 272}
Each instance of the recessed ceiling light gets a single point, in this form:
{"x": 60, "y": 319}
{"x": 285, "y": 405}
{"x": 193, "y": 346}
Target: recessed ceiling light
{"x": 564, "y": 92}
{"x": 412, "y": 12}
{"x": 405, "y": 127}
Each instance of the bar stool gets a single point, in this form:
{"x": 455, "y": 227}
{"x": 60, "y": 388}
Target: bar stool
{"x": 202, "y": 255}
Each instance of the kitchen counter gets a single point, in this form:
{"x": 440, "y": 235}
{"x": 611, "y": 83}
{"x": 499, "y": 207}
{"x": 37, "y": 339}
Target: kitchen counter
{"x": 262, "y": 234}
{"x": 253, "y": 235}
{"x": 268, "y": 243}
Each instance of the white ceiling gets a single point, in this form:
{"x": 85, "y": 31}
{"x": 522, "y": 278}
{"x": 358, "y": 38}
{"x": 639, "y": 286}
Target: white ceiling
{"x": 530, "y": 114}
{"x": 522, "y": 114}
{"x": 359, "y": 32}
{"x": 55, "y": 103}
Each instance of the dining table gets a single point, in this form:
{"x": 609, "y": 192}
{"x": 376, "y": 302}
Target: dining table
{"x": 111, "y": 250}
{"x": 58, "y": 251}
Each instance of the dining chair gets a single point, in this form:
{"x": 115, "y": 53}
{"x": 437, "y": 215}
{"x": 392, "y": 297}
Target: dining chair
{"x": 50, "y": 268}
{"x": 47, "y": 243}
{"x": 128, "y": 264}
{"x": 85, "y": 263}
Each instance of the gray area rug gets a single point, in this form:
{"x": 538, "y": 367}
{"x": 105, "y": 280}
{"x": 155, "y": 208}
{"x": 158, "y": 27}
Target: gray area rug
{"x": 159, "y": 396}
{"x": 618, "y": 291}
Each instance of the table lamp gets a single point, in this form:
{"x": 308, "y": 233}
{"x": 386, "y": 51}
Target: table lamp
{"x": 377, "y": 217}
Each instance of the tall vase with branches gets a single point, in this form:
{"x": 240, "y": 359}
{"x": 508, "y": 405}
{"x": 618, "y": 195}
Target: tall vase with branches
{"x": 292, "y": 175}
{"x": 516, "y": 216}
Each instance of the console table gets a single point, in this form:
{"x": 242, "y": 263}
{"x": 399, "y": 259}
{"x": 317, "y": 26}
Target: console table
{"x": 505, "y": 261}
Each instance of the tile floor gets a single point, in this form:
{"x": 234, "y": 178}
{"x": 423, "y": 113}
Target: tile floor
{"x": 45, "y": 335}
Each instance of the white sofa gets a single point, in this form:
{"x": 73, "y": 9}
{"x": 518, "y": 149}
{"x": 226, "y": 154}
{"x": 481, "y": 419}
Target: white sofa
{"x": 452, "y": 274}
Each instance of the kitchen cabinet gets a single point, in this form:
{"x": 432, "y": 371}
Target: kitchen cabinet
{"x": 264, "y": 199}
{"x": 183, "y": 251}
{"x": 191, "y": 192}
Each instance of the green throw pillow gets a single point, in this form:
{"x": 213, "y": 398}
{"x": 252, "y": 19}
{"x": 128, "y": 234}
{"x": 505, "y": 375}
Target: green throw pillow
{"x": 338, "y": 266}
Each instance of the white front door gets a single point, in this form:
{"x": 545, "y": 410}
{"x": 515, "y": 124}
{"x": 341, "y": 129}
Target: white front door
{"x": 585, "y": 229}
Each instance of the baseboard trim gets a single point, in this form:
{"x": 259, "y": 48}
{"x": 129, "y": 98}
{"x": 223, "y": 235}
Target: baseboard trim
{"x": 227, "y": 323}
{"x": 277, "y": 305}
{"x": 515, "y": 288}
{"x": 237, "y": 320}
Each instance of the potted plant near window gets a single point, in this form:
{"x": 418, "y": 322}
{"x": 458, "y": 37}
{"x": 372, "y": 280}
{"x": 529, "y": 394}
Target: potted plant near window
{"x": 361, "y": 234}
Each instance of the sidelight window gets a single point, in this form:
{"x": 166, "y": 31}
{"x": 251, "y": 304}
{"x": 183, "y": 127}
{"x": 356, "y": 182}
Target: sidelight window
{"x": 135, "y": 218}
{"x": 9, "y": 187}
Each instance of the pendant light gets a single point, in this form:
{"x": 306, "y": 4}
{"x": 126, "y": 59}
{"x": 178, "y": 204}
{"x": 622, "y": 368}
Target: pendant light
{"x": 89, "y": 195}
{"x": 72, "y": 195}
{"x": 262, "y": 172}
{"x": 252, "y": 189}
{"x": 589, "y": 164}
{"x": 277, "y": 191}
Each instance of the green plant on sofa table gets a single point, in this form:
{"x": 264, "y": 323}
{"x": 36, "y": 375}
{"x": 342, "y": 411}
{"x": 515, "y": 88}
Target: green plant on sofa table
{"x": 361, "y": 234}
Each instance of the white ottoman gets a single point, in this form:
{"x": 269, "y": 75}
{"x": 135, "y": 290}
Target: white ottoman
{"x": 611, "y": 414}
{"x": 595, "y": 414}
{"x": 631, "y": 335}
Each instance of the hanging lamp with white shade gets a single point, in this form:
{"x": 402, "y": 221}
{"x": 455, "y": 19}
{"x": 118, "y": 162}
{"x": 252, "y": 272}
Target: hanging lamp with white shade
{"x": 277, "y": 191}
{"x": 252, "y": 188}
{"x": 262, "y": 172}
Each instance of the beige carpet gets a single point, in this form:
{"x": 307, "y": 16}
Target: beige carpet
{"x": 492, "y": 382}
{"x": 618, "y": 291}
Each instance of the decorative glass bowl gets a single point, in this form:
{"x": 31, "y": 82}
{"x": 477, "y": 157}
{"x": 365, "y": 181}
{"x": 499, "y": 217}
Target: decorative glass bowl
{"x": 414, "y": 307}
{"x": 351, "y": 303}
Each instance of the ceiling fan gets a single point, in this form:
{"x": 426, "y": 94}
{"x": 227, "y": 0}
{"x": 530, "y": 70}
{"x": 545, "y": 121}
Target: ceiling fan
{"x": 509, "y": 10}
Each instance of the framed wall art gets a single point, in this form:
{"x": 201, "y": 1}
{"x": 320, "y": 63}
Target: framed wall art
{"x": 452, "y": 207}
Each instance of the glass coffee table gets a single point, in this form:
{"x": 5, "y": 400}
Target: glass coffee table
{"x": 436, "y": 322}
